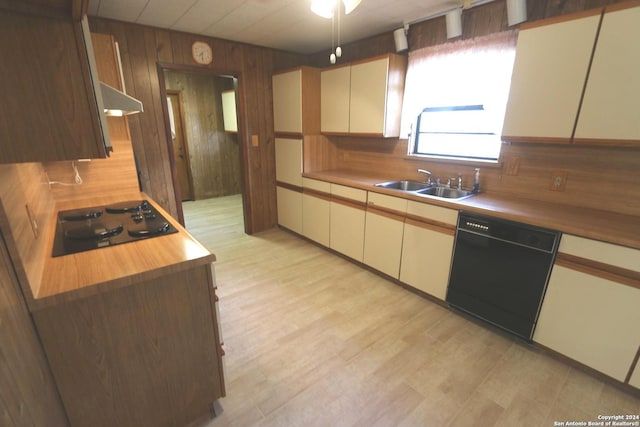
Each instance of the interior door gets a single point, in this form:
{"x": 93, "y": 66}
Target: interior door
{"x": 180, "y": 145}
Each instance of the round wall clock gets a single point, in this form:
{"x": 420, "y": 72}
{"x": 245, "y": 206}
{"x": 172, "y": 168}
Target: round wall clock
{"x": 201, "y": 52}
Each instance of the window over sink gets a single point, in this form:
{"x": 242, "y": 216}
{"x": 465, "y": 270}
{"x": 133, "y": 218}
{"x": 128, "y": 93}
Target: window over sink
{"x": 455, "y": 98}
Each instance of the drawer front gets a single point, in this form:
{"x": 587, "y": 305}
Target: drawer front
{"x": 314, "y": 184}
{"x": 432, "y": 212}
{"x": 606, "y": 253}
{"x": 349, "y": 193}
{"x": 389, "y": 202}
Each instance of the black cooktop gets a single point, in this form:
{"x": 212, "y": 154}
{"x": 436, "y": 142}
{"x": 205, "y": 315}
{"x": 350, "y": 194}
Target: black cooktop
{"x": 97, "y": 227}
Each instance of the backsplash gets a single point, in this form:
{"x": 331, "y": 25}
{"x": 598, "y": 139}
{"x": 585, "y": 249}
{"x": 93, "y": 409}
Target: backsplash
{"x": 604, "y": 178}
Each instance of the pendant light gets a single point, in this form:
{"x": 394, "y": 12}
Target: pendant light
{"x": 328, "y": 9}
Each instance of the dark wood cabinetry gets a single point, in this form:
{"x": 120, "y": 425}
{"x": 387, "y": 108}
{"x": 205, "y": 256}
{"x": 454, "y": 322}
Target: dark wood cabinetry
{"x": 50, "y": 108}
{"x": 28, "y": 395}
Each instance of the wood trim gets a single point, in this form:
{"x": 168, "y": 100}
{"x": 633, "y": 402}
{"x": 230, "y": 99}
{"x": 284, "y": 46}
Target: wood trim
{"x": 561, "y": 18}
{"x": 607, "y": 142}
{"x": 288, "y": 135}
{"x": 289, "y": 186}
{"x": 428, "y": 224}
{"x": 634, "y": 365}
{"x": 536, "y": 139}
{"x": 388, "y": 56}
{"x": 386, "y": 212}
{"x": 599, "y": 269}
{"x": 317, "y": 194}
{"x": 79, "y": 9}
{"x": 349, "y": 202}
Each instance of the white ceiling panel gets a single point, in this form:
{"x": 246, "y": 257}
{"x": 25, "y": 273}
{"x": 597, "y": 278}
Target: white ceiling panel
{"x": 121, "y": 10}
{"x": 164, "y": 14}
{"x": 281, "y": 24}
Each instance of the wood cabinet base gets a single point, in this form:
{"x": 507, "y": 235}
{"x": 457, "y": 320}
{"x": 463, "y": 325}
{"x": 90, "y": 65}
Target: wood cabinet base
{"x": 147, "y": 354}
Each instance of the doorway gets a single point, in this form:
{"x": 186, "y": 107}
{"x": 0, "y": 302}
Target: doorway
{"x": 207, "y": 159}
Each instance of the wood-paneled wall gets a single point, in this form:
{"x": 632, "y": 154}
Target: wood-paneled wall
{"x": 603, "y": 178}
{"x": 141, "y": 49}
{"x": 597, "y": 177}
{"x": 477, "y": 21}
{"x": 213, "y": 153}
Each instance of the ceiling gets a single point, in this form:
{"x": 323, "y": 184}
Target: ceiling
{"x": 280, "y": 24}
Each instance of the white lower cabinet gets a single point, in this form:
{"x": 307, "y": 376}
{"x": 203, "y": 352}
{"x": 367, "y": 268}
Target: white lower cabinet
{"x": 383, "y": 233}
{"x": 592, "y": 320}
{"x": 347, "y": 220}
{"x": 316, "y": 211}
{"x": 427, "y": 247}
{"x": 289, "y": 209}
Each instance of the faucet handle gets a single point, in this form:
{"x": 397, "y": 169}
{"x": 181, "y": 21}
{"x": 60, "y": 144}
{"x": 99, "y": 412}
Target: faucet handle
{"x": 427, "y": 173}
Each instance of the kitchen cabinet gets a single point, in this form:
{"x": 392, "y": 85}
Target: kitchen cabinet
{"x": 296, "y": 101}
{"x": 427, "y": 247}
{"x": 609, "y": 112}
{"x": 384, "y": 226}
{"x": 316, "y": 210}
{"x": 289, "y": 208}
{"x": 139, "y": 355}
{"x": 335, "y": 86}
{"x": 590, "y": 309}
{"x": 289, "y": 183}
{"x": 52, "y": 104}
{"x": 572, "y": 72}
{"x": 108, "y": 64}
{"x": 348, "y": 206}
{"x": 364, "y": 98}
{"x": 28, "y": 396}
{"x": 551, "y": 65}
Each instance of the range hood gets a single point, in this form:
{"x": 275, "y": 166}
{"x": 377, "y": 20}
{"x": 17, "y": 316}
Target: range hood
{"x": 118, "y": 103}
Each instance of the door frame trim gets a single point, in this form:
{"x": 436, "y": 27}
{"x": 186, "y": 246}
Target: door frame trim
{"x": 242, "y": 132}
{"x": 185, "y": 141}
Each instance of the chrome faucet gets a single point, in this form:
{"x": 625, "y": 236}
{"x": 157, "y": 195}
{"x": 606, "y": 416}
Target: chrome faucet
{"x": 450, "y": 181}
{"x": 426, "y": 172}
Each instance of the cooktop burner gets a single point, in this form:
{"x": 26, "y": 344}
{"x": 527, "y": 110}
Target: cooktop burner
{"x": 95, "y": 227}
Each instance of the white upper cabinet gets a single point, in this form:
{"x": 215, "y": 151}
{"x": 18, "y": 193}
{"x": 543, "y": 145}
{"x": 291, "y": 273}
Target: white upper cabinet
{"x": 335, "y": 95}
{"x": 548, "y": 77}
{"x": 611, "y": 107}
{"x": 364, "y": 98}
{"x": 574, "y": 84}
{"x": 296, "y": 101}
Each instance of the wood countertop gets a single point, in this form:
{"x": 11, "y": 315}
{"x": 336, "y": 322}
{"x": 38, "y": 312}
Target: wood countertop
{"x": 79, "y": 275}
{"x": 594, "y": 224}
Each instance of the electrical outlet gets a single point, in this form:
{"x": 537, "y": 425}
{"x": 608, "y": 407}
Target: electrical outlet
{"x": 558, "y": 181}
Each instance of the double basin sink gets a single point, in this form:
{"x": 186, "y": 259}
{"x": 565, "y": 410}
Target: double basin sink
{"x": 426, "y": 189}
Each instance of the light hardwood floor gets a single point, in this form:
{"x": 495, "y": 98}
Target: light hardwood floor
{"x": 314, "y": 340}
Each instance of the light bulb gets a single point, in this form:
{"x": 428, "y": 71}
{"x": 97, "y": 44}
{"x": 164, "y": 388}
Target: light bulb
{"x": 332, "y": 58}
{"x": 338, "y": 51}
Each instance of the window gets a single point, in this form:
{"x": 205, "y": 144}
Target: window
{"x": 455, "y": 97}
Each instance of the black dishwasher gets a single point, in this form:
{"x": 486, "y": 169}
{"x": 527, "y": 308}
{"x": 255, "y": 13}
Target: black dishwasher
{"x": 500, "y": 271}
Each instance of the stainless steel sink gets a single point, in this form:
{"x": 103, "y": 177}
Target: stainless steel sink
{"x": 445, "y": 192}
{"x": 426, "y": 189}
{"x": 405, "y": 185}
